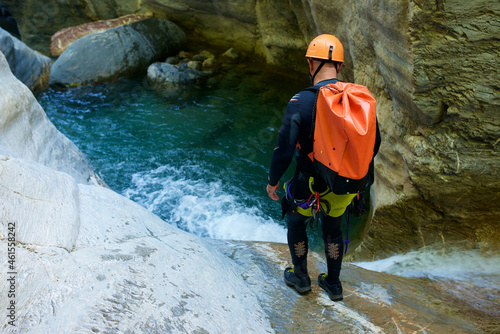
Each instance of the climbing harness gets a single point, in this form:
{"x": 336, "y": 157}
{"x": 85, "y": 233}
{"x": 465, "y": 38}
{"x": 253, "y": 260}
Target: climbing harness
{"x": 322, "y": 202}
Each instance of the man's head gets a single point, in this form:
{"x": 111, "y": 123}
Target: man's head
{"x": 325, "y": 51}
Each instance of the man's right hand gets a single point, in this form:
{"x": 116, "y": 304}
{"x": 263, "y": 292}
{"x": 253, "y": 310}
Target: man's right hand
{"x": 271, "y": 191}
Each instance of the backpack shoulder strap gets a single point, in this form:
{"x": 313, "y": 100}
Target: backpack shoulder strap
{"x": 315, "y": 90}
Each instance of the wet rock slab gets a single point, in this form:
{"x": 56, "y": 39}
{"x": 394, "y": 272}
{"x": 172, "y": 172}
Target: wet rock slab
{"x": 373, "y": 302}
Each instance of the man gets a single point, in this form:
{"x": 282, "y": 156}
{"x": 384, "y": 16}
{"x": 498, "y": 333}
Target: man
{"x": 325, "y": 57}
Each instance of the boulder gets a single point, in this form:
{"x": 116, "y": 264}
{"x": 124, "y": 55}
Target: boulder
{"x": 209, "y": 64}
{"x": 194, "y": 65}
{"x": 206, "y": 54}
{"x": 25, "y": 131}
{"x": 117, "y": 52}
{"x": 174, "y": 60}
{"x": 63, "y": 38}
{"x": 231, "y": 56}
{"x": 171, "y": 77}
{"x": 185, "y": 54}
{"x": 29, "y": 66}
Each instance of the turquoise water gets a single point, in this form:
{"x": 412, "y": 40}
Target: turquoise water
{"x": 198, "y": 159}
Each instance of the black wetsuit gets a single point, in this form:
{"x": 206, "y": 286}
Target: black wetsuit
{"x": 296, "y": 127}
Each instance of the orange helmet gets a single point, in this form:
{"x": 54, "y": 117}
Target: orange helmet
{"x": 327, "y": 47}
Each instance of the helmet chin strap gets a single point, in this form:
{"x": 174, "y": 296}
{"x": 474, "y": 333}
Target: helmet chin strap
{"x": 316, "y": 72}
{"x": 330, "y": 52}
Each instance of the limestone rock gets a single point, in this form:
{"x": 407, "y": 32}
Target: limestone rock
{"x": 29, "y": 66}
{"x": 174, "y": 60}
{"x": 88, "y": 259}
{"x": 185, "y": 54}
{"x": 63, "y": 38}
{"x": 231, "y": 55}
{"x": 439, "y": 160}
{"x": 280, "y": 40}
{"x": 225, "y": 23}
{"x": 27, "y": 133}
{"x": 209, "y": 64}
{"x": 31, "y": 196}
{"x": 116, "y": 52}
{"x": 172, "y": 77}
{"x": 202, "y": 56}
{"x": 194, "y": 65}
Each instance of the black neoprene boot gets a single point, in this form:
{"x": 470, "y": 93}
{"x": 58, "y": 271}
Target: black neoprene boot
{"x": 302, "y": 284}
{"x": 334, "y": 290}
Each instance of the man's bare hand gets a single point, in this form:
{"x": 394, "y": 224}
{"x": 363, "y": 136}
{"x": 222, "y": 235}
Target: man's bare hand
{"x": 271, "y": 191}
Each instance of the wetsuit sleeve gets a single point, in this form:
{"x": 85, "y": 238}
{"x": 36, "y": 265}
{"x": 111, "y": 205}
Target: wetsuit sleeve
{"x": 287, "y": 141}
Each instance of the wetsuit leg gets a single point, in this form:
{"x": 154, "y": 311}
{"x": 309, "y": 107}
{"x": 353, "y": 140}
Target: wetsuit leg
{"x": 334, "y": 246}
{"x": 297, "y": 224}
{"x": 297, "y": 242}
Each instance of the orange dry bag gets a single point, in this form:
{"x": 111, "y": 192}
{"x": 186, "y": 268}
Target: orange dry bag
{"x": 344, "y": 136}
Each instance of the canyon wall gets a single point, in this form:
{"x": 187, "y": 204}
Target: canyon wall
{"x": 432, "y": 66}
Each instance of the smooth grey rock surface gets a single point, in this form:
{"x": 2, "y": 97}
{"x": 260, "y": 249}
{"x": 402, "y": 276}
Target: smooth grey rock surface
{"x": 120, "y": 51}
{"x": 27, "y": 133}
{"x": 171, "y": 77}
{"x": 30, "y": 67}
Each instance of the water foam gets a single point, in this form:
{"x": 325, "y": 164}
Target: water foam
{"x": 464, "y": 265}
{"x": 204, "y": 208}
